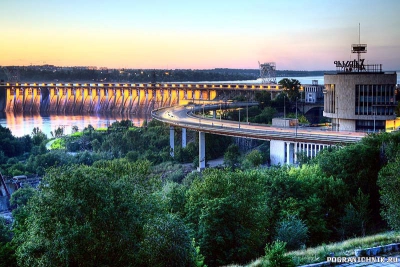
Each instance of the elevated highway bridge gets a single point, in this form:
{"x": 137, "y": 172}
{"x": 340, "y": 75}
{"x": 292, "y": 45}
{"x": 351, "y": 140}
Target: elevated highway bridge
{"x": 286, "y": 142}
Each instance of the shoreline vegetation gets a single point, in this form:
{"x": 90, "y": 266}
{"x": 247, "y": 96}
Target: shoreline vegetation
{"x": 50, "y": 73}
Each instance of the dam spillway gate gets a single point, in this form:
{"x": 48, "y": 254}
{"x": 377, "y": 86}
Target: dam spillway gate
{"x": 121, "y": 98}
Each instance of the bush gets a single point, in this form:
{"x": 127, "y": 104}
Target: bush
{"x": 58, "y": 144}
{"x": 167, "y": 243}
{"x": 5, "y": 231}
{"x": 357, "y": 216}
{"x": 231, "y": 156}
{"x": 132, "y": 156}
{"x": 253, "y": 159}
{"x": 7, "y": 250}
{"x": 73, "y": 146}
{"x": 275, "y": 255}
{"x": 292, "y": 231}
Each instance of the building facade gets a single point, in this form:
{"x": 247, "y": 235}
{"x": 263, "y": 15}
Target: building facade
{"x": 360, "y": 101}
{"x": 360, "y": 97}
{"x": 313, "y": 93}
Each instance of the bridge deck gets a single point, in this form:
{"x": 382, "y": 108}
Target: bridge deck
{"x": 182, "y": 116}
{"x": 210, "y": 85}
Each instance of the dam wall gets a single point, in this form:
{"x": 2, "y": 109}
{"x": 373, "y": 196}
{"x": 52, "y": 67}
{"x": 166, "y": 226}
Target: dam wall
{"x": 77, "y": 98}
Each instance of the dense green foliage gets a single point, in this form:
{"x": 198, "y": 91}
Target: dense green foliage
{"x": 104, "y": 215}
{"x": 231, "y": 156}
{"x": 269, "y": 108}
{"x": 227, "y": 230}
{"x": 275, "y": 255}
{"x": 291, "y": 87}
{"x": 122, "y": 200}
{"x": 7, "y": 249}
{"x": 11, "y": 146}
{"x": 68, "y": 74}
{"x": 389, "y": 182}
{"x": 292, "y": 231}
{"x": 253, "y": 159}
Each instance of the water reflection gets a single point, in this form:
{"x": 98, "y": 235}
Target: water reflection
{"x": 22, "y": 124}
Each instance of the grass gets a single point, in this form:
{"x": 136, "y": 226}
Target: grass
{"x": 59, "y": 143}
{"x": 76, "y": 134}
{"x": 345, "y": 248}
{"x": 102, "y": 129}
{"x": 339, "y": 249}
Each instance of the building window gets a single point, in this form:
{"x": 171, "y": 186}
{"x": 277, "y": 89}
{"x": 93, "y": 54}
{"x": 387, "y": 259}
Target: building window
{"x": 329, "y": 98}
{"x": 370, "y": 125}
{"x": 374, "y": 99}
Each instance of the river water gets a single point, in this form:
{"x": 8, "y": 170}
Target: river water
{"x": 22, "y": 124}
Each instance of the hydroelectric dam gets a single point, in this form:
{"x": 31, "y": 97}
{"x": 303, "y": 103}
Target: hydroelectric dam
{"x": 118, "y": 98}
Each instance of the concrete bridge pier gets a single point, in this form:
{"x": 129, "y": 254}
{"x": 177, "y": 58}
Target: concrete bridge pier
{"x": 183, "y": 137}
{"x": 289, "y": 152}
{"x": 172, "y": 140}
{"x": 277, "y": 152}
{"x": 202, "y": 151}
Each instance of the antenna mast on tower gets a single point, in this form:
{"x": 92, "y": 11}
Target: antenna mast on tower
{"x": 358, "y": 49}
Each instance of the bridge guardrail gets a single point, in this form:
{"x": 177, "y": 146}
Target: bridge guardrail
{"x": 264, "y": 134}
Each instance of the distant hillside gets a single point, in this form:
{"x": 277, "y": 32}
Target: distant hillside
{"x": 72, "y": 74}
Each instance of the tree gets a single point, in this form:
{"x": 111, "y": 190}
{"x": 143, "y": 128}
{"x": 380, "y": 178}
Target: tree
{"x": 96, "y": 216}
{"x": 253, "y": 159}
{"x": 226, "y": 211}
{"x": 292, "y": 231}
{"x": 291, "y": 87}
{"x": 231, "y": 156}
{"x": 288, "y": 193}
{"x": 7, "y": 250}
{"x": 38, "y": 136}
{"x": 275, "y": 255}
{"x": 75, "y": 129}
{"x": 167, "y": 243}
{"x": 357, "y": 165}
{"x": 303, "y": 119}
{"x": 357, "y": 216}
{"x": 264, "y": 98}
{"x": 5, "y": 231}
{"x": 12, "y": 146}
{"x": 265, "y": 116}
{"x": 389, "y": 182}
{"x": 57, "y": 132}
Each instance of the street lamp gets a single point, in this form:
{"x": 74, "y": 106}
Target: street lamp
{"x": 297, "y": 120}
{"x": 239, "y": 116}
{"x": 247, "y": 112}
{"x": 284, "y": 109}
{"x": 337, "y": 113}
{"x": 220, "y": 111}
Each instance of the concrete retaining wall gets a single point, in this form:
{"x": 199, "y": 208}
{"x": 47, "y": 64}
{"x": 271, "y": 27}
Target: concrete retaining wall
{"x": 377, "y": 250}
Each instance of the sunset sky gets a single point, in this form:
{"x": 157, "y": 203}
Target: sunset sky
{"x": 177, "y": 34}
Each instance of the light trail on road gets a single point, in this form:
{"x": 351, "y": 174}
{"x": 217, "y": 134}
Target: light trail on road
{"x": 183, "y": 116}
